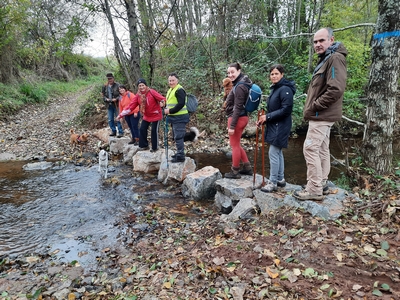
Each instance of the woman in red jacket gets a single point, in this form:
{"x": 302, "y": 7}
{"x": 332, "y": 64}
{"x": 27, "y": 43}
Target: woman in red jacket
{"x": 150, "y": 102}
{"x": 133, "y": 117}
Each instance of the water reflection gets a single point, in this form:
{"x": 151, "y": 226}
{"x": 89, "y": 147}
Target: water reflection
{"x": 73, "y": 212}
{"x": 295, "y": 166}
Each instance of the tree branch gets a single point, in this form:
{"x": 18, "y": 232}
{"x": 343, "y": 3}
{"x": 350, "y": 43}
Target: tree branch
{"x": 311, "y": 33}
{"x": 353, "y": 121}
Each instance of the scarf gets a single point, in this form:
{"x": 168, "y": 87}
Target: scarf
{"x": 324, "y": 57}
{"x": 143, "y": 100}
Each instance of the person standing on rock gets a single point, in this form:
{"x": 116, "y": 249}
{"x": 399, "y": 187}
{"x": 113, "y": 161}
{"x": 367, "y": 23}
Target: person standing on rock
{"x": 133, "y": 117}
{"x": 278, "y": 121}
{"x": 110, "y": 93}
{"x": 237, "y": 120}
{"x": 150, "y": 103}
{"x": 322, "y": 109}
{"x": 178, "y": 116}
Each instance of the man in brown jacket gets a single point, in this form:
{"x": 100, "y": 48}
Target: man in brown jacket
{"x": 323, "y": 107}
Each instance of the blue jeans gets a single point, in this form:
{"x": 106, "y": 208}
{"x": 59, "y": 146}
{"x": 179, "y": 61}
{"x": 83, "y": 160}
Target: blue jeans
{"x": 276, "y": 164}
{"x": 143, "y": 143}
{"x": 133, "y": 124}
{"x": 112, "y": 113}
{"x": 179, "y": 130}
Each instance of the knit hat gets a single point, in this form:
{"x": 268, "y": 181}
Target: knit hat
{"x": 110, "y": 75}
{"x": 141, "y": 80}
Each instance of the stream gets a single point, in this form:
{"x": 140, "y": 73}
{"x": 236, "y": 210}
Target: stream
{"x": 69, "y": 211}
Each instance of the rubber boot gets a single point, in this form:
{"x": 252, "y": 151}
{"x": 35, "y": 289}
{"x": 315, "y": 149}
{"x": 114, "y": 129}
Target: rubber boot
{"x": 247, "y": 169}
{"x": 233, "y": 174}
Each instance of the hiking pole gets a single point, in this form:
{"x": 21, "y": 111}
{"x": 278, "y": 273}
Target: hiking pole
{"x": 256, "y": 152}
{"x": 262, "y": 150}
{"x": 166, "y": 136}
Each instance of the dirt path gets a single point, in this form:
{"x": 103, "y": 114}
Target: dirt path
{"x": 43, "y": 131}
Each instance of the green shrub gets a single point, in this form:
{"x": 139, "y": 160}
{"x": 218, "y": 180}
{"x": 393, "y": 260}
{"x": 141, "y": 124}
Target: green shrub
{"x": 34, "y": 94}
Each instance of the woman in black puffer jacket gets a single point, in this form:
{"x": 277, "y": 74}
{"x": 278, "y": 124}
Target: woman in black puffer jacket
{"x": 278, "y": 121}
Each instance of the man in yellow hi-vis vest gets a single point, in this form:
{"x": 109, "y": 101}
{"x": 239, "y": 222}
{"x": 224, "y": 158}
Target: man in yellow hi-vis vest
{"x": 178, "y": 115}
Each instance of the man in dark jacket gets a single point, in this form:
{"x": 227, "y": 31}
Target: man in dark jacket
{"x": 110, "y": 93}
{"x": 322, "y": 108}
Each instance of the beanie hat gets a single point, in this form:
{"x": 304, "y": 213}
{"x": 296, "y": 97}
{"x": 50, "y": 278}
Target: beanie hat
{"x": 141, "y": 80}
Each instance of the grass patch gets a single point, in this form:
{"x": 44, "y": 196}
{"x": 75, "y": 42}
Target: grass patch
{"x": 13, "y": 97}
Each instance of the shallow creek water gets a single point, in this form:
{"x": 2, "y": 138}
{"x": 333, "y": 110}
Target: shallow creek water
{"x": 69, "y": 210}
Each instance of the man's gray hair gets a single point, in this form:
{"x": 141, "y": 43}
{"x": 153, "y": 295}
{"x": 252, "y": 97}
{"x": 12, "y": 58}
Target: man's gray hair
{"x": 330, "y": 32}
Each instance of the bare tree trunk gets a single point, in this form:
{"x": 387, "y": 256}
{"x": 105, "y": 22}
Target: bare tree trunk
{"x": 130, "y": 65}
{"x": 134, "y": 61}
{"x": 377, "y": 148}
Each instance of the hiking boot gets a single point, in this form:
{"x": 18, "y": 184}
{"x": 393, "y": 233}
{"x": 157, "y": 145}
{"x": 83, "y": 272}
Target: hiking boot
{"x": 269, "y": 187}
{"x": 136, "y": 143}
{"x": 153, "y": 150}
{"x": 132, "y": 142}
{"x": 281, "y": 183}
{"x": 304, "y": 195}
{"x": 178, "y": 159}
{"x": 233, "y": 174}
{"x": 120, "y": 135}
{"x": 247, "y": 169}
{"x": 113, "y": 134}
{"x": 325, "y": 188}
{"x": 143, "y": 148}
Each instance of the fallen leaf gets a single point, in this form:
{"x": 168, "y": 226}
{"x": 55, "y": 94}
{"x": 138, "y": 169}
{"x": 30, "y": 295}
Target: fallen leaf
{"x": 167, "y": 285}
{"x": 339, "y": 256}
{"x": 71, "y": 296}
{"x": 32, "y": 259}
{"x": 271, "y": 273}
{"x": 292, "y": 277}
{"x": 324, "y": 287}
{"x": 368, "y": 248}
{"x": 297, "y": 272}
{"x": 219, "y": 261}
{"x": 356, "y": 287}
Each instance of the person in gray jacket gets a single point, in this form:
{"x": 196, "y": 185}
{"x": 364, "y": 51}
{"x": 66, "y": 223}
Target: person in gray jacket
{"x": 322, "y": 109}
{"x": 110, "y": 93}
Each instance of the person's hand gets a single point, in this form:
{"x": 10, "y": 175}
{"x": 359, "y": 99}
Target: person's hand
{"x": 166, "y": 111}
{"x": 231, "y": 131}
{"x": 135, "y": 115}
{"x": 261, "y": 120}
{"x": 162, "y": 103}
{"x": 118, "y": 118}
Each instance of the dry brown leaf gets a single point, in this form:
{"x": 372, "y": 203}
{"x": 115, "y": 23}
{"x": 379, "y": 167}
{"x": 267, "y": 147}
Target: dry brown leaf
{"x": 219, "y": 261}
{"x": 249, "y": 239}
{"x": 339, "y": 256}
{"x": 231, "y": 269}
{"x": 217, "y": 240}
{"x": 368, "y": 248}
{"x": 71, "y": 296}
{"x": 271, "y": 273}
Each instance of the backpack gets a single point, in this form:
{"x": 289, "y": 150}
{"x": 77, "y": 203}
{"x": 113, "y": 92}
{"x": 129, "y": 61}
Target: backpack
{"x": 254, "y": 98}
{"x": 191, "y": 103}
